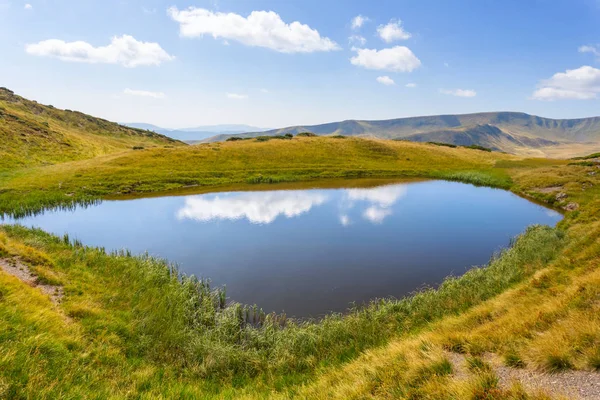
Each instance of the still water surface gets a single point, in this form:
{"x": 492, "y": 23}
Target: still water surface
{"x": 308, "y": 252}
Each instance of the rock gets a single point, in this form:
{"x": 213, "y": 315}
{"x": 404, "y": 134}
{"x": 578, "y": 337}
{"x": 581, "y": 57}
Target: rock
{"x": 571, "y": 206}
{"x": 561, "y": 196}
{"x": 592, "y": 173}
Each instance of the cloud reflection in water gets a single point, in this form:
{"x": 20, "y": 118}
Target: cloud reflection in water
{"x": 256, "y": 207}
{"x": 266, "y": 207}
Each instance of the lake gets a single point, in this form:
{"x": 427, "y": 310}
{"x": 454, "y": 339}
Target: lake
{"x": 307, "y": 252}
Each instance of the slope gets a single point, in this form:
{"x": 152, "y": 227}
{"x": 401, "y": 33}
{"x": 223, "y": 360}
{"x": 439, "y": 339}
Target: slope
{"x": 36, "y": 134}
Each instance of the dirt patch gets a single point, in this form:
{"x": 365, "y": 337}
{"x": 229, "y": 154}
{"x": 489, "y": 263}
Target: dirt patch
{"x": 576, "y": 385}
{"x": 459, "y": 366}
{"x": 582, "y": 385}
{"x": 14, "y": 267}
{"x": 550, "y": 189}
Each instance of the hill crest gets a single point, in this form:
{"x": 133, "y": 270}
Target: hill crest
{"x": 515, "y": 132}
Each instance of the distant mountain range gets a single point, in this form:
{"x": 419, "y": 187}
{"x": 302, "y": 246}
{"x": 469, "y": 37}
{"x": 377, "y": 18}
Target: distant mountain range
{"x": 196, "y": 133}
{"x": 512, "y": 132}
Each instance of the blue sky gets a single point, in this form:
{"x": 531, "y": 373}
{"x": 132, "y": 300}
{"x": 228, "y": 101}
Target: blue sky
{"x": 186, "y": 63}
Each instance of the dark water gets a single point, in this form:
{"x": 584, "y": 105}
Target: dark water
{"x": 308, "y": 252}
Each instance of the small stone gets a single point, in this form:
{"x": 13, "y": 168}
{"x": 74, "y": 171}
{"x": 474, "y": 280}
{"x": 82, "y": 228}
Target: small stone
{"x": 561, "y": 196}
{"x": 571, "y": 207}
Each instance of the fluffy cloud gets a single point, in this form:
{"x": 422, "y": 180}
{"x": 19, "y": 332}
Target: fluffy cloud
{"x": 385, "y": 80}
{"x": 376, "y": 214}
{"x": 397, "y": 59}
{"x": 260, "y": 29}
{"x": 144, "y": 93}
{"x": 384, "y": 196}
{"x": 28, "y": 6}
{"x": 360, "y": 40}
{"x": 590, "y": 49}
{"x": 381, "y": 200}
{"x": 358, "y": 21}
{"x": 582, "y": 83}
{"x": 392, "y": 31}
{"x": 237, "y": 96}
{"x": 124, "y": 50}
{"x": 256, "y": 207}
{"x": 459, "y": 92}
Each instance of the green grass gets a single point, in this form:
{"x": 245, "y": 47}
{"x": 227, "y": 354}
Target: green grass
{"x": 155, "y": 315}
{"x": 35, "y": 134}
{"x": 133, "y": 326}
{"x": 588, "y": 157}
{"x": 248, "y": 161}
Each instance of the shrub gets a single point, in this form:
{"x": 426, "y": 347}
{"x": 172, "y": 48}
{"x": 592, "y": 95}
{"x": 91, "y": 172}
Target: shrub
{"x": 477, "y": 147}
{"x": 512, "y": 359}
{"x": 138, "y": 147}
{"x": 234, "y": 139}
{"x": 583, "y": 164}
{"x": 594, "y": 155}
{"x": 558, "y": 363}
{"x": 443, "y": 144}
{"x": 338, "y": 137}
{"x": 306, "y": 134}
{"x": 594, "y": 360}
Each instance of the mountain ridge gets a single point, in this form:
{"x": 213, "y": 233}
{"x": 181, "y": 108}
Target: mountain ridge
{"x": 522, "y": 133}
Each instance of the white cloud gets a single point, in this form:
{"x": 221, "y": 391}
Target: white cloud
{"x": 256, "y": 207}
{"x": 411, "y": 85}
{"x": 392, "y": 31}
{"x": 345, "y": 220}
{"x": 590, "y": 49}
{"x": 358, "y": 21}
{"x": 582, "y": 83}
{"x": 124, "y": 50}
{"x": 144, "y": 93}
{"x": 260, "y": 29}
{"x": 360, "y": 40}
{"x": 379, "y": 200}
{"x": 397, "y": 59}
{"x": 459, "y": 92}
{"x": 385, "y": 80}
{"x": 376, "y": 214}
{"x": 384, "y": 196}
{"x": 28, "y": 6}
{"x": 237, "y": 96}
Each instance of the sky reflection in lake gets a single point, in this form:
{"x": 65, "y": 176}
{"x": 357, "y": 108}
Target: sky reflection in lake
{"x": 308, "y": 252}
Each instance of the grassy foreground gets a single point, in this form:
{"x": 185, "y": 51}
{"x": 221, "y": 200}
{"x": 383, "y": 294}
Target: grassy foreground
{"x": 132, "y": 327}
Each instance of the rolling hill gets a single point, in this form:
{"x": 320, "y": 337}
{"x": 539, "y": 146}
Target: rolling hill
{"x": 512, "y": 132}
{"x": 35, "y": 134}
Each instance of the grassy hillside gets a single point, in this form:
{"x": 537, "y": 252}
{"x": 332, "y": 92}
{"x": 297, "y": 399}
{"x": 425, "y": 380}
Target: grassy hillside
{"x": 35, "y": 134}
{"x": 488, "y": 136}
{"x": 132, "y": 327}
{"x": 522, "y": 133}
{"x": 79, "y": 322}
{"x": 252, "y": 162}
